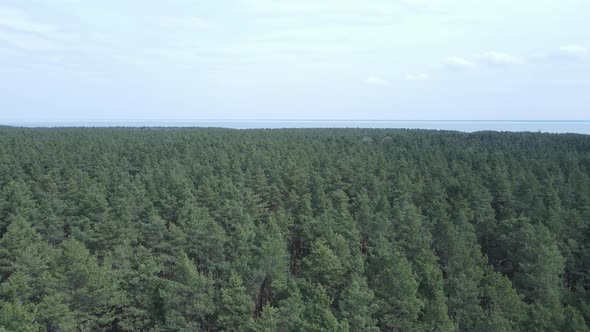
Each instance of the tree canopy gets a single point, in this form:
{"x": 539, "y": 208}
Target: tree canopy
{"x": 155, "y": 229}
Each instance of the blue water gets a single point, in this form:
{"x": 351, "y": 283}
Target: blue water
{"x": 581, "y": 127}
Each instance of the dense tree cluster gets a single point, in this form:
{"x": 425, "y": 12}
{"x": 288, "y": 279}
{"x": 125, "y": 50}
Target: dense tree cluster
{"x": 293, "y": 230}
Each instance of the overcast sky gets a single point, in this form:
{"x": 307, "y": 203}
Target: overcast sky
{"x": 299, "y": 59}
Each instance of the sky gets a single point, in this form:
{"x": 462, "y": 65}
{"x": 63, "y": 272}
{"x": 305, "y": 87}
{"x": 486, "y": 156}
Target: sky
{"x": 67, "y": 60}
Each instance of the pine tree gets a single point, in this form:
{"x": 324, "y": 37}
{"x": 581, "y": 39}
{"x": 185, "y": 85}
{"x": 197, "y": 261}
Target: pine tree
{"x": 188, "y": 299}
{"x": 357, "y": 305}
{"x": 236, "y": 307}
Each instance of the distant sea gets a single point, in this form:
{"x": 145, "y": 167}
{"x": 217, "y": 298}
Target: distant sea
{"x": 566, "y": 126}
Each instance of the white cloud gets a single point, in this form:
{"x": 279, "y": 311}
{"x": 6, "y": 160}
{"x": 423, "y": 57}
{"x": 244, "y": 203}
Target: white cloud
{"x": 177, "y": 54}
{"x": 375, "y": 80}
{"x": 18, "y": 21}
{"x": 325, "y": 6}
{"x": 576, "y": 51}
{"x": 27, "y": 42}
{"x": 496, "y": 58}
{"x": 181, "y": 22}
{"x": 18, "y": 30}
{"x": 418, "y": 77}
{"x": 459, "y": 63}
{"x": 565, "y": 54}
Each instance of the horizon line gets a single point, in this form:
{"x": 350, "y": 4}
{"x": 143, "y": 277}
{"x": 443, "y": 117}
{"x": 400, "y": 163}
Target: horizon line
{"x": 289, "y": 120}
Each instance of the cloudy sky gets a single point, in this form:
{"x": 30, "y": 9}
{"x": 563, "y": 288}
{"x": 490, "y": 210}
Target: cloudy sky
{"x": 296, "y": 59}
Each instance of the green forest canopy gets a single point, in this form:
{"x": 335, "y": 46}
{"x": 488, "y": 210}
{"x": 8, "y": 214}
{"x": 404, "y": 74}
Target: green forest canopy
{"x": 151, "y": 229}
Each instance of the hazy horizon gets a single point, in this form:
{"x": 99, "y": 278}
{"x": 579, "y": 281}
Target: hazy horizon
{"x": 555, "y": 126}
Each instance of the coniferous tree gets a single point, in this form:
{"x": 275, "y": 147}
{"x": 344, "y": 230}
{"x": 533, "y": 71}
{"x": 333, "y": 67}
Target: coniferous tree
{"x": 150, "y": 229}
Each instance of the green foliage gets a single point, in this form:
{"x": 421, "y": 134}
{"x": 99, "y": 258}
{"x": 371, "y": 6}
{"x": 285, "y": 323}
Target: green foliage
{"x": 357, "y": 305}
{"x": 188, "y": 299}
{"x": 317, "y": 313}
{"x": 17, "y": 317}
{"x": 236, "y": 307}
{"x": 153, "y": 229}
{"x": 88, "y": 286}
{"x": 396, "y": 289}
